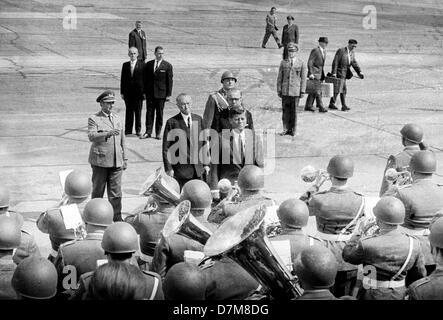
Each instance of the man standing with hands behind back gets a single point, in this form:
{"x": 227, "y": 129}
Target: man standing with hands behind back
{"x": 158, "y": 89}
{"x": 107, "y": 154}
{"x": 137, "y": 38}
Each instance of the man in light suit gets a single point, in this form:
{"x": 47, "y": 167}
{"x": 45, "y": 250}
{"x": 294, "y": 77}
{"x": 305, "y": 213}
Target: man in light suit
{"x": 181, "y": 145}
{"x": 341, "y": 68}
{"x": 137, "y": 38}
{"x": 158, "y": 89}
{"x": 131, "y": 90}
{"x": 107, "y": 155}
{"x": 316, "y": 73}
{"x": 291, "y": 86}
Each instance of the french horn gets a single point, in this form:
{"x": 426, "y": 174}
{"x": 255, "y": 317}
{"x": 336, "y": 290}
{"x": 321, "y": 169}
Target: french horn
{"x": 242, "y": 238}
{"x": 157, "y": 184}
{"x": 182, "y": 222}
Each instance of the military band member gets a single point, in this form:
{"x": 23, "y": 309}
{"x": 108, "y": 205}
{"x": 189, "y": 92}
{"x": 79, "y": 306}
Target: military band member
{"x": 27, "y": 246}
{"x": 77, "y": 190}
{"x": 120, "y": 243}
{"x": 412, "y": 140}
{"x": 337, "y": 211}
{"x": 431, "y": 287}
{"x": 422, "y": 200}
{"x": 10, "y": 234}
{"x": 84, "y": 254}
{"x": 184, "y": 281}
{"x": 387, "y": 256}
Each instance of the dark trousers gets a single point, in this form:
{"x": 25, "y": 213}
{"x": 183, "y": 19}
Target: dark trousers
{"x": 268, "y": 33}
{"x": 344, "y": 283}
{"x": 342, "y": 98}
{"x": 154, "y": 106}
{"x": 111, "y": 179}
{"x": 133, "y": 110}
{"x": 314, "y": 97}
{"x": 289, "y": 113}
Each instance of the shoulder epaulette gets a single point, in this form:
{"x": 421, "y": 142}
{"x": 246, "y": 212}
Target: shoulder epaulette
{"x": 27, "y": 232}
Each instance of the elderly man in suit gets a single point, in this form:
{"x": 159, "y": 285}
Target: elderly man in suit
{"x": 131, "y": 90}
{"x": 137, "y": 38}
{"x": 107, "y": 155}
{"x": 158, "y": 89}
{"x": 289, "y": 35}
{"x": 181, "y": 144}
{"x": 291, "y": 86}
{"x": 316, "y": 73}
{"x": 341, "y": 68}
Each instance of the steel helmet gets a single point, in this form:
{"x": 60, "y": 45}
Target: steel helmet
{"x": 228, "y": 75}
{"x": 293, "y": 213}
{"x": 224, "y": 186}
{"x": 316, "y": 266}
{"x": 78, "y": 184}
{"x": 98, "y": 212}
{"x": 423, "y": 162}
{"x": 251, "y": 178}
{"x": 4, "y": 197}
{"x": 120, "y": 237}
{"x": 35, "y": 278}
{"x": 436, "y": 236}
{"x": 341, "y": 167}
{"x": 198, "y": 193}
{"x": 390, "y": 210}
{"x": 10, "y": 233}
{"x": 184, "y": 281}
{"x": 412, "y": 133}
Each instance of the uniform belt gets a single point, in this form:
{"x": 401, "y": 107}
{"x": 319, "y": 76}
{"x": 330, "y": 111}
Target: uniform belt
{"x": 145, "y": 257}
{"x": 333, "y": 237}
{"x": 53, "y": 253}
{"x": 415, "y": 232}
{"x": 376, "y": 284}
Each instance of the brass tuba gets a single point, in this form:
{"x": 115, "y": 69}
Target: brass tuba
{"x": 182, "y": 222}
{"x": 242, "y": 238}
{"x": 157, "y": 184}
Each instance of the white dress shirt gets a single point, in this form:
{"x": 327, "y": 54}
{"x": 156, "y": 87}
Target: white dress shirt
{"x": 185, "y": 118}
{"x": 133, "y": 63}
{"x": 157, "y": 64}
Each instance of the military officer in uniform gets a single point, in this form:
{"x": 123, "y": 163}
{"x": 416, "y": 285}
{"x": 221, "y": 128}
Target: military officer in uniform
{"x": 412, "y": 140}
{"x": 422, "y": 199}
{"x": 77, "y": 190}
{"x": 431, "y": 287}
{"x": 107, "y": 155}
{"x": 149, "y": 220}
{"x": 387, "y": 256}
{"x": 170, "y": 250}
{"x": 293, "y": 215}
{"x": 184, "y": 281}
{"x": 9, "y": 242}
{"x": 84, "y": 255}
{"x": 217, "y": 101}
{"x": 337, "y": 211}
{"x": 120, "y": 243}
{"x": 27, "y": 246}
{"x": 35, "y": 279}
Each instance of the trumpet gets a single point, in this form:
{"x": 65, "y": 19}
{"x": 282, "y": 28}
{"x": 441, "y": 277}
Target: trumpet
{"x": 317, "y": 176}
{"x": 217, "y": 215}
{"x": 399, "y": 178}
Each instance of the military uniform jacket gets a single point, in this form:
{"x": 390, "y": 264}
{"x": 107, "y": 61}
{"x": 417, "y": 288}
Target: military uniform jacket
{"x": 106, "y": 152}
{"x": 227, "y": 280}
{"x": 323, "y": 294}
{"x": 291, "y": 80}
{"x": 231, "y": 208}
{"x": 289, "y": 34}
{"x": 428, "y": 288}
{"x": 7, "y": 268}
{"x": 216, "y": 102}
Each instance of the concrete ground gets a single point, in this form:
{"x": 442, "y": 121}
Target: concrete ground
{"x": 50, "y": 77}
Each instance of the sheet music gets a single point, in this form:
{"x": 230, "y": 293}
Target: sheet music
{"x": 71, "y": 216}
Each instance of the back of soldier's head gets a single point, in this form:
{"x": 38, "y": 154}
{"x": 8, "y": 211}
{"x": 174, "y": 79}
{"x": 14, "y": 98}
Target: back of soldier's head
{"x": 341, "y": 167}
{"x": 184, "y": 281}
{"x": 423, "y": 163}
{"x": 120, "y": 241}
{"x": 436, "y": 237}
{"x": 118, "y": 281}
{"x": 98, "y": 212}
{"x": 78, "y": 185}
{"x": 293, "y": 213}
{"x": 251, "y": 179}
{"x": 198, "y": 193}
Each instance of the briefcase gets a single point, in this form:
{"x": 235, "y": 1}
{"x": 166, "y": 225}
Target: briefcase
{"x": 314, "y": 86}
{"x": 335, "y": 82}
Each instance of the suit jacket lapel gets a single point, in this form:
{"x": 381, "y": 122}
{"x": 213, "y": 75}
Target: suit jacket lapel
{"x": 106, "y": 120}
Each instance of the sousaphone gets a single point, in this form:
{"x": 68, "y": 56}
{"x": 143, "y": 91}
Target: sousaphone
{"x": 157, "y": 183}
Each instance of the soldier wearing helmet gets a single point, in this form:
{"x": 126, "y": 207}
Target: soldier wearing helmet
{"x": 293, "y": 215}
{"x": 422, "y": 200}
{"x": 171, "y": 249}
{"x": 217, "y": 101}
{"x": 27, "y": 246}
{"x": 120, "y": 243}
{"x": 35, "y": 279}
{"x": 77, "y": 190}
{"x": 431, "y": 287}
{"x": 84, "y": 255}
{"x": 337, "y": 211}
{"x": 412, "y": 140}
{"x": 387, "y": 256}
{"x": 184, "y": 281}
{"x": 10, "y": 234}
{"x": 149, "y": 219}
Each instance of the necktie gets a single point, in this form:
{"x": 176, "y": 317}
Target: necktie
{"x": 156, "y": 65}
{"x": 189, "y": 122}
{"x": 110, "y": 119}
{"x": 292, "y": 63}
{"x": 242, "y": 148}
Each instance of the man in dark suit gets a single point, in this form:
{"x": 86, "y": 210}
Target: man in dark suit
{"x": 341, "y": 68}
{"x": 137, "y": 38}
{"x": 158, "y": 89}
{"x": 131, "y": 90}
{"x": 316, "y": 73}
{"x": 181, "y": 144}
{"x": 289, "y": 34}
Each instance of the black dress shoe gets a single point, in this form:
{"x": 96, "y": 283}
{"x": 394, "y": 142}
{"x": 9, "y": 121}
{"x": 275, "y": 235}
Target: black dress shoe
{"x": 345, "y": 108}
{"x": 158, "y": 138}
{"x": 310, "y": 109}
{"x": 138, "y": 134}
{"x": 322, "y": 110}
{"x": 145, "y": 136}
{"x": 333, "y": 107}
